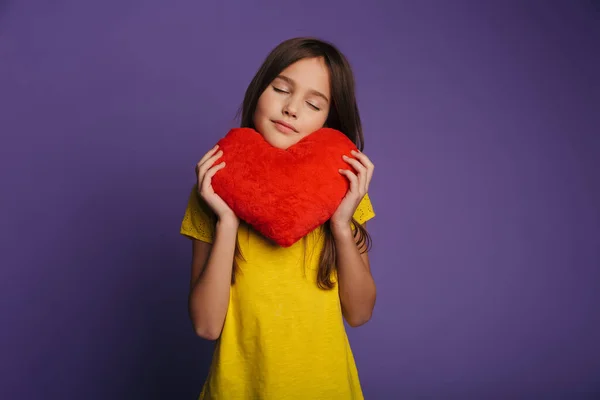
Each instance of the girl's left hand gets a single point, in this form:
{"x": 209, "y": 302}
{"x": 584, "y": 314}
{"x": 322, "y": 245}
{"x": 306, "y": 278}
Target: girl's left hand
{"x": 359, "y": 186}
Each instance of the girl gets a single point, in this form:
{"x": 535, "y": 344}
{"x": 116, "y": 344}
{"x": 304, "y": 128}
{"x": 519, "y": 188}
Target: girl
{"x": 277, "y": 313}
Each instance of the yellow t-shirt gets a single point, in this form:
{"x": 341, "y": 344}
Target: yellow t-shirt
{"x": 283, "y": 337}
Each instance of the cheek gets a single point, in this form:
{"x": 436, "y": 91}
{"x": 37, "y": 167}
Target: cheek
{"x": 260, "y": 111}
{"x": 316, "y": 122}
{"x": 267, "y": 100}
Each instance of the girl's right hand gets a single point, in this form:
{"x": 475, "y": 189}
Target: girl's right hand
{"x": 205, "y": 170}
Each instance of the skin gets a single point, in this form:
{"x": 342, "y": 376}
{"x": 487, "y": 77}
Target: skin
{"x": 300, "y": 98}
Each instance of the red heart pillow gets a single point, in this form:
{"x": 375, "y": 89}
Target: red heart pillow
{"x": 283, "y": 194}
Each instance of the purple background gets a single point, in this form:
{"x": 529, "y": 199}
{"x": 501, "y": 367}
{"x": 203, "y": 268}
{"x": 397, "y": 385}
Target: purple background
{"x": 483, "y": 121}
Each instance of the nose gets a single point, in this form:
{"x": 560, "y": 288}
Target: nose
{"x": 290, "y": 110}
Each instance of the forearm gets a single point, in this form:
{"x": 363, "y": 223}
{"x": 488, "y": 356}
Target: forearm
{"x": 209, "y": 297}
{"x": 356, "y": 285}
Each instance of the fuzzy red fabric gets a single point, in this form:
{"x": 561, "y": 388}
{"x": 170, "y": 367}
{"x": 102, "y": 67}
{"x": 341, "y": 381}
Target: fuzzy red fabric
{"x": 283, "y": 194}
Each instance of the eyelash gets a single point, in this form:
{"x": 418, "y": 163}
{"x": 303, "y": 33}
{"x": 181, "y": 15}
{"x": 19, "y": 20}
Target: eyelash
{"x": 309, "y": 104}
{"x": 279, "y": 90}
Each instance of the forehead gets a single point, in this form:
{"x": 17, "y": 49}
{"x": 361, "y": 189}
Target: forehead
{"x": 309, "y": 74}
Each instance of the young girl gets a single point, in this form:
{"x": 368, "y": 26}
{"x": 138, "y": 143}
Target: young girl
{"x": 277, "y": 313}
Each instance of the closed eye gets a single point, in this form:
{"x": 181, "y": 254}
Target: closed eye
{"x": 279, "y": 90}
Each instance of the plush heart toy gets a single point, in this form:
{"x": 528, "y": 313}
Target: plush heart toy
{"x": 283, "y": 194}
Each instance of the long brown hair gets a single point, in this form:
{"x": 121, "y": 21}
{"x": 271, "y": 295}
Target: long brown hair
{"x": 343, "y": 116}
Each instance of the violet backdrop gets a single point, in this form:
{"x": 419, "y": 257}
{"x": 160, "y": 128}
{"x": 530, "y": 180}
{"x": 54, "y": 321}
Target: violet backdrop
{"x": 482, "y": 119}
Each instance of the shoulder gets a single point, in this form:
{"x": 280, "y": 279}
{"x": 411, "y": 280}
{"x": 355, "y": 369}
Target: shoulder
{"x": 198, "y": 220}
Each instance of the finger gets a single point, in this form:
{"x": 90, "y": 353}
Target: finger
{"x": 209, "y": 154}
{"x": 357, "y": 165}
{"x": 363, "y": 158}
{"x": 360, "y": 169}
{"x": 367, "y": 163}
{"x": 209, "y": 163}
{"x": 211, "y": 172}
{"x": 208, "y": 160}
{"x": 352, "y": 178}
{"x": 206, "y": 182}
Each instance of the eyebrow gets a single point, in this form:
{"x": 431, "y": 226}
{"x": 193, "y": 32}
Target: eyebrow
{"x": 291, "y": 82}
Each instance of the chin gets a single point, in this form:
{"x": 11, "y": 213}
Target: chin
{"x": 279, "y": 140}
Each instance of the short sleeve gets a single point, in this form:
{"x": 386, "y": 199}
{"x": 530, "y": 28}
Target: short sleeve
{"x": 364, "y": 211}
{"x": 199, "y": 220}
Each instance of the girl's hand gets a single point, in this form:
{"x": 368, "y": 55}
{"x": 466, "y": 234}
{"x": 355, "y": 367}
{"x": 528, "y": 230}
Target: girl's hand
{"x": 359, "y": 186}
{"x": 205, "y": 170}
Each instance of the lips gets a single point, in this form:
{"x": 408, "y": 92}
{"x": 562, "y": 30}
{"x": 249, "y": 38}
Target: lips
{"x": 285, "y": 126}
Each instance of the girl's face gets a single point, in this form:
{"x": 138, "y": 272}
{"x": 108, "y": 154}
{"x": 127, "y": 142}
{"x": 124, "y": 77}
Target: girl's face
{"x": 295, "y": 104}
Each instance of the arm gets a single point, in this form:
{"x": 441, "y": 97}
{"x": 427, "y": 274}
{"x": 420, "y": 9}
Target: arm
{"x": 212, "y": 265}
{"x": 211, "y": 280}
{"x": 356, "y": 285}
